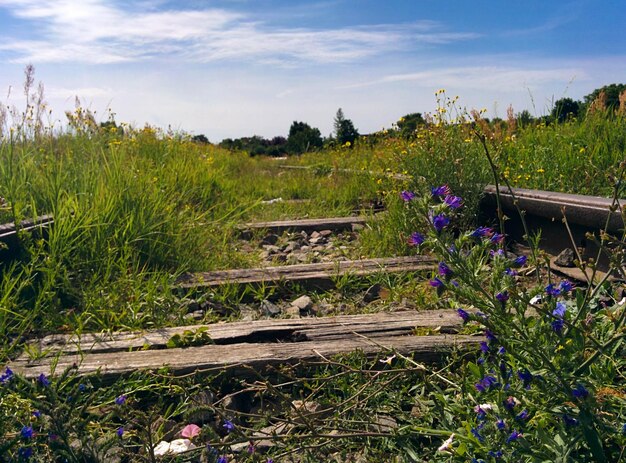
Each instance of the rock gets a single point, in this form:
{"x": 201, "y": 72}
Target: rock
{"x": 195, "y": 316}
{"x": 384, "y": 423}
{"x": 326, "y": 233}
{"x": 291, "y": 246}
{"x": 269, "y": 308}
{"x": 272, "y": 249}
{"x": 357, "y": 227}
{"x": 315, "y": 235}
{"x": 246, "y": 312}
{"x": 565, "y": 258}
{"x": 270, "y": 238}
{"x": 292, "y": 311}
{"x": 303, "y": 303}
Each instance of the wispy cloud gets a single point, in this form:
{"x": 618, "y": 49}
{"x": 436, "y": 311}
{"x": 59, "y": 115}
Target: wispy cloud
{"x": 98, "y": 31}
{"x": 488, "y": 78}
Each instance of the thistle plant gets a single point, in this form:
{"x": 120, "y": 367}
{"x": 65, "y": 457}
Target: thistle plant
{"x": 547, "y": 381}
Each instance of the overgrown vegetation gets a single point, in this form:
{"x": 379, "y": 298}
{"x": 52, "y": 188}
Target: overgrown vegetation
{"x": 134, "y": 208}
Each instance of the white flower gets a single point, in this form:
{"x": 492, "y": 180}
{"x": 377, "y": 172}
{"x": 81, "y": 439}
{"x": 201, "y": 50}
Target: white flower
{"x": 447, "y": 445}
{"x": 172, "y": 448}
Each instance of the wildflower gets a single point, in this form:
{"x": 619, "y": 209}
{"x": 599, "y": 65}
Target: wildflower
{"x": 557, "y": 325}
{"x": 477, "y": 435}
{"x": 513, "y": 437}
{"x": 526, "y": 377}
{"x": 496, "y": 455}
{"x": 270, "y": 460}
{"x": 37, "y": 414}
{"x": 503, "y": 296}
{"x": 482, "y": 232}
{"x": 569, "y": 421}
{"x": 559, "y": 311}
{"x": 443, "y": 190}
{"x": 500, "y": 424}
{"x": 447, "y": 444}
{"x": 498, "y": 253}
{"x": 580, "y": 392}
{"x": 120, "y": 431}
{"x": 566, "y": 286}
{"x": 510, "y": 272}
{"x": 490, "y": 336}
{"x": 45, "y": 382}
{"x": 497, "y": 238}
{"x": 484, "y": 347}
{"x": 552, "y": 291}
{"x": 25, "y": 453}
{"x": 228, "y": 426}
{"x": 416, "y": 239}
{"x": 520, "y": 261}
{"x": 436, "y": 283}
{"x": 521, "y": 416}
{"x": 463, "y": 314}
{"x": 6, "y": 376}
{"x": 407, "y": 195}
{"x": 190, "y": 431}
{"x": 82, "y": 387}
{"x": 27, "y": 432}
{"x": 486, "y": 383}
{"x": 453, "y": 202}
{"x": 444, "y": 270}
{"x": 440, "y": 222}
{"x": 510, "y": 403}
{"x": 222, "y": 459}
{"x": 501, "y": 350}
{"x": 121, "y": 400}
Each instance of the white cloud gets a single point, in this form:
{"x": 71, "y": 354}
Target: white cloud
{"x": 96, "y": 31}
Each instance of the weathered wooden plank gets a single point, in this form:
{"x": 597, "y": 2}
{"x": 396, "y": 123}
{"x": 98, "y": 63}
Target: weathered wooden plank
{"x": 9, "y": 230}
{"x": 313, "y": 272}
{"x": 307, "y": 225}
{"x": 239, "y": 357}
{"x": 260, "y": 331}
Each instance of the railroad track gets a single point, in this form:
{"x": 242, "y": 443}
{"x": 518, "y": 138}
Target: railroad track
{"x": 257, "y": 344}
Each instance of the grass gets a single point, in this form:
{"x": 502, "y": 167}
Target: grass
{"x": 135, "y": 208}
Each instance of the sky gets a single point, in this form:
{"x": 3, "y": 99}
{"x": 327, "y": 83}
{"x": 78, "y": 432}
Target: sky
{"x": 234, "y": 68}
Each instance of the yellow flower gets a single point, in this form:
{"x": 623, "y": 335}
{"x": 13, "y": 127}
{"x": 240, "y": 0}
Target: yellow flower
{"x": 540, "y": 171}
{"x": 582, "y": 150}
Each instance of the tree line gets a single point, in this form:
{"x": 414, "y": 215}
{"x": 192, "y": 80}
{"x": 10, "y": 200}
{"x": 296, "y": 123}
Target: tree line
{"x": 303, "y": 138}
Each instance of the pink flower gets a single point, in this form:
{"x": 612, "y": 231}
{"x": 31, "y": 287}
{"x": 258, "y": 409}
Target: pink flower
{"x": 190, "y": 431}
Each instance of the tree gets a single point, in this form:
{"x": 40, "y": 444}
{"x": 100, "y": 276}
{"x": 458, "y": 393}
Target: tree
{"x": 564, "y": 109}
{"x": 524, "y": 118}
{"x": 344, "y": 129}
{"x": 302, "y": 138}
{"x": 408, "y": 124}
{"x": 611, "y": 93}
{"x": 200, "y": 138}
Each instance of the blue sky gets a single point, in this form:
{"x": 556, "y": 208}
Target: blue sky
{"x": 232, "y": 68}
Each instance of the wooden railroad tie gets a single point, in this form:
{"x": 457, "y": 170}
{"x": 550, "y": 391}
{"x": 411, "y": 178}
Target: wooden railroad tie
{"x": 239, "y": 346}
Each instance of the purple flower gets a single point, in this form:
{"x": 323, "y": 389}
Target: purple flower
{"x": 27, "y": 432}
{"x": 501, "y": 350}
{"x": 442, "y": 190}
{"x": 416, "y": 239}
{"x": 407, "y": 195}
{"x": 82, "y": 387}
{"x": 6, "y": 376}
{"x": 270, "y": 460}
{"x": 513, "y": 436}
{"x": 45, "y": 382}
{"x": 503, "y": 296}
{"x": 440, "y": 222}
{"x": 490, "y": 336}
{"x": 228, "y": 426}
{"x": 566, "y": 286}
{"x": 477, "y": 435}
{"x": 486, "y": 383}
{"x": 510, "y": 272}
{"x": 222, "y": 459}
{"x": 569, "y": 421}
{"x": 37, "y": 414}
{"x": 526, "y": 377}
{"x": 520, "y": 261}
{"x": 510, "y": 403}
{"x": 557, "y": 325}
{"x": 497, "y": 238}
{"x": 453, "y": 202}
{"x": 559, "y": 312}
{"x": 25, "y": 453}
{"x": 444, "y": 270}
{"x": 484, "y": 347}
{"x": 497, "y": 455}
{"x": 522, "y": 416}
{"x": 500, "y": 424}
{"x": 482, "y": 232}
{"x": 120, "y": 431}
{"x": 580, "y": 392}
{"x": 436, "y": 283}
{"x": 121, "y": 400}
{"x": 552, "y": 291}
{"x": 498, "y": 253}
{"x": 463, "y": 314}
